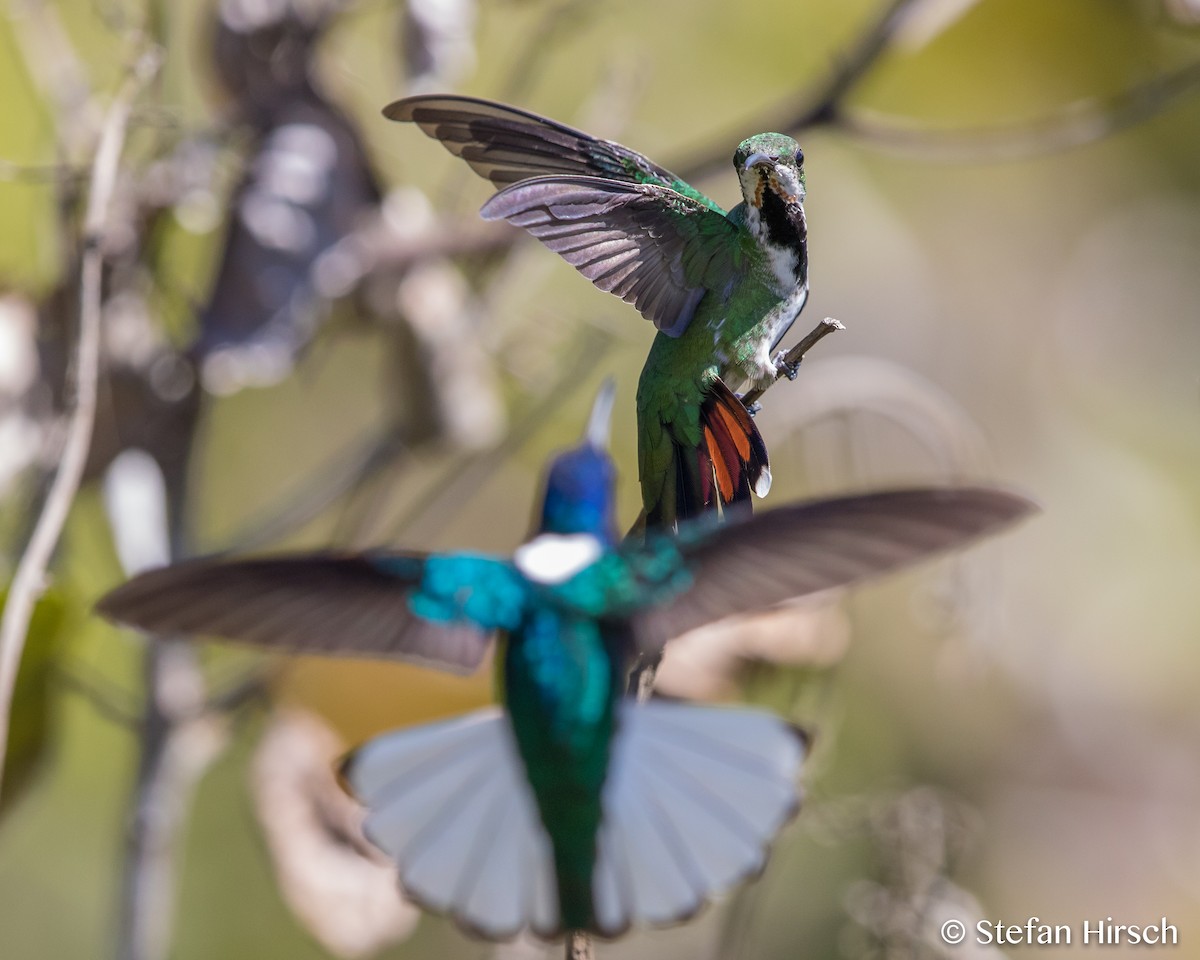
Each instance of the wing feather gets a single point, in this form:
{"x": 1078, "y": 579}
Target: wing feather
{"x": 507, "y": 145}
{"x": 672, "y": 249}
{"x": 340, "y": 605}
{"x": 750, "y": 563}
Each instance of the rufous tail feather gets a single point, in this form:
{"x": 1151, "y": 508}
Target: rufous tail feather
{"x": 729, "y": 463}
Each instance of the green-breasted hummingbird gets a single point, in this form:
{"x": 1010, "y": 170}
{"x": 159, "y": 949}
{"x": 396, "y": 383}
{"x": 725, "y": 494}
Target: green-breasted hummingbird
{"x": 570, "y": 807}
{"x": 722, "y": 288}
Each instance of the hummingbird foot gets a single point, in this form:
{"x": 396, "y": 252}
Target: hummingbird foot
{"x": 785, "y": 367}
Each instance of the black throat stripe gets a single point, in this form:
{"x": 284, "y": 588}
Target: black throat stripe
{"x": 785, "y": 226}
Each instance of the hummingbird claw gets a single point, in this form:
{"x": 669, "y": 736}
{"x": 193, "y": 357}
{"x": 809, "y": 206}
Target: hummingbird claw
{"x": 786, "y": 368}
{"x": 751, "y": 408}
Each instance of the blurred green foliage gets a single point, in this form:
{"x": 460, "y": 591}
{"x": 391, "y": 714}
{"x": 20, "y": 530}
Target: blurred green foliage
{"x": 32, "y": 716}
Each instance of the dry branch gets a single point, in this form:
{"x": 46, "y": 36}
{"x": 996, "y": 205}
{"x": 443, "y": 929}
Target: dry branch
{"x": 28, "y": 581}
{"x": 792, "y": 359}
{"x": 178, "y": 741}
{"x": 1075, "y": 125}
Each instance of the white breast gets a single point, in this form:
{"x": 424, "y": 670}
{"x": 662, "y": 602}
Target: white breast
{"x": 780, "y": 319}
{"x": 553, "y": 558}
{"x": 783, "y": 264}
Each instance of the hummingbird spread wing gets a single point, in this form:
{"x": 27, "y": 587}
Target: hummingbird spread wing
{"x": 645, "y": 243}
{"x": 756, "y": 562}
{"x": 339, "y": 605}
{"x": 507, "y": 145}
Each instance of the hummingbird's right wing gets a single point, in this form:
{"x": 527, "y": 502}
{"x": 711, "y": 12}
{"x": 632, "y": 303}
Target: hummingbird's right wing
{"x": 647, "y": 244}
{"x": 506, "y": 145}
{"x": 754, "y": 562}
{"x": 348, "y": 605}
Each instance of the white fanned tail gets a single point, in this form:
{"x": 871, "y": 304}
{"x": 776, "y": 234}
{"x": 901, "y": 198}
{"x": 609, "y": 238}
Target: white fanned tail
{"x": 694, "y": 797}
{"x": 449, "y": 802}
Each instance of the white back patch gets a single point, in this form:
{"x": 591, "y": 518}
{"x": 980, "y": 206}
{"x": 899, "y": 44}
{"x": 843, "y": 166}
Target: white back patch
{"x": 553, "y": 558}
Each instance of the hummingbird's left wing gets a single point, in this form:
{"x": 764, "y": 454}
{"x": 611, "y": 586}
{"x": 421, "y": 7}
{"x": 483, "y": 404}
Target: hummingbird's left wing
{"x": 647, "y": 244}
{"x": 506, "y": 145}
{"x": 344, "y": 605}
{"x": 754, "y": 562}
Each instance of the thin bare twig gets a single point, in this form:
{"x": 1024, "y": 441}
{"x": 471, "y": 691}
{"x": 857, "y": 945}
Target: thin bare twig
{"x": 823, "y": 105}
{"x": 793, "y": 357}
{"x": 1075, "y": 125}
{"x": 41, "y": 173}
{"x": 31, "y": 570}
{"x": 465, "y": 237}
{"x": 178, "y": 741}
{"x": 853, "y": 65}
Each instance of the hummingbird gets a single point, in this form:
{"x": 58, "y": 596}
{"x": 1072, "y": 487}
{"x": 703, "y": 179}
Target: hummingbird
{"x": 722, "y": 288}
{"x": 569, "y": 807}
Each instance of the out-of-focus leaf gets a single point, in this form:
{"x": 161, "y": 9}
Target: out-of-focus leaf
{"x": 340, "y": 888}
{"x": 31, "y": 722}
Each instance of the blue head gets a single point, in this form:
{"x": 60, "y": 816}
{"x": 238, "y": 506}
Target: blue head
{"x": 580, "y": 482}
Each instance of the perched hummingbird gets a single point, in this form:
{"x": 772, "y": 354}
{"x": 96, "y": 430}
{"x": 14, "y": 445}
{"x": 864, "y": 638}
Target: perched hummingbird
{"x": 722, "y": 288}
{"x": 570, "y": 807}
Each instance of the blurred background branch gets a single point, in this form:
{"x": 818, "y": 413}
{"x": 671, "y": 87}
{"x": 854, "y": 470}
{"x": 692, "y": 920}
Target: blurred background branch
{"x": 28, "y": 580}
{"x": 1075, "y": 125}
